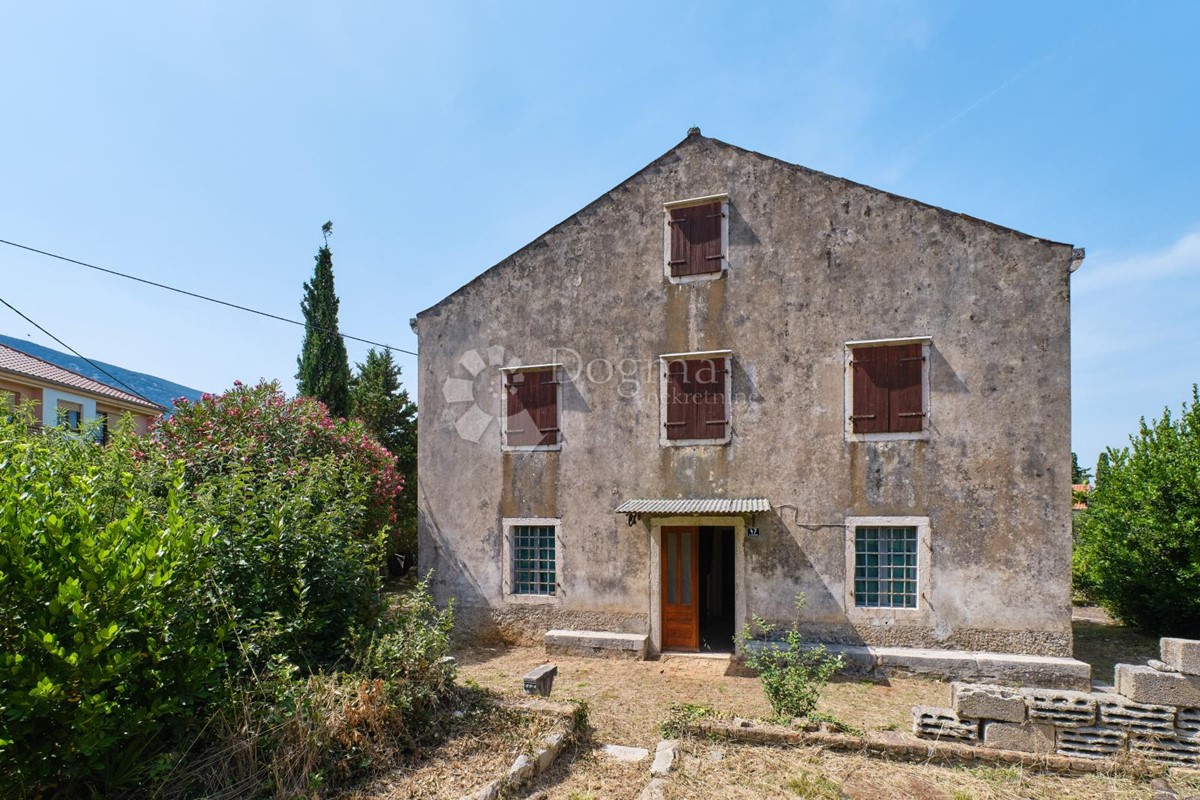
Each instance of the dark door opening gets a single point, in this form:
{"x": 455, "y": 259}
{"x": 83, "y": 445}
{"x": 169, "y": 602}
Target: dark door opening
{"x": 716, "y": 589}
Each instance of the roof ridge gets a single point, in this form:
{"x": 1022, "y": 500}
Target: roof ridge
{"x": 128, "y": 397}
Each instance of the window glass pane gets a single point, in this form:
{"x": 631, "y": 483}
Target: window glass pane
{"x": 885, "y": 567}
{"x": 533, "y": 567}
{"x": 672, "y": 574}
{"x": 685, "y": 567}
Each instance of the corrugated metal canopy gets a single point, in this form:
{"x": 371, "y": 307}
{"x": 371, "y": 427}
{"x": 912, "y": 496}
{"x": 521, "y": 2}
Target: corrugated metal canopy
{"x": 696, "y": 506}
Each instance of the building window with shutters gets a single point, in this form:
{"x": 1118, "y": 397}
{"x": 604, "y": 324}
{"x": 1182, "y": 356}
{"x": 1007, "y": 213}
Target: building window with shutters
{"x": 696, "y": 389}
{"x": 70, "y": 415}
{"x": 697, "y": 238}
{"x": 532, "y": 407}
{"x": 532, "y": 556}
{"x": 887, "y": 566}
{"x": 887, "y": 389}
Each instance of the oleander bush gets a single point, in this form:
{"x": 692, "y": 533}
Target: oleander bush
{"x": 198, "y": 612}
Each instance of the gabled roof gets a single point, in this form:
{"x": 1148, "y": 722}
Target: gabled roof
{"x": 14, "y": 362}
{"x": 695, "y": 137}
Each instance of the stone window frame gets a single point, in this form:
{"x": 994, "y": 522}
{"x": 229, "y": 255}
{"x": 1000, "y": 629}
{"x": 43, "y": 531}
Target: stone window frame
{"x": 664, "y": 361}
{"x": 531, "y": 448}
{"x": 857, "y": 613}
{"x": 926, "y": 343}
{"x": 508, "y": 568}
{"x": 723, "y": 199}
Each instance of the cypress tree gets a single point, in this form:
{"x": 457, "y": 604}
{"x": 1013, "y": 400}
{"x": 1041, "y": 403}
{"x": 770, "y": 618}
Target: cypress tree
{"x": 388, "y": 413}
{"x": 324, "y": 370}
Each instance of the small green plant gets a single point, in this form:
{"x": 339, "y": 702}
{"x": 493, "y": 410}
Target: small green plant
{"x": 681, "y": 715}
{"x": 815, "y": 785}
{"x": 838, "y": 724}
{"x": 792, "y": 672}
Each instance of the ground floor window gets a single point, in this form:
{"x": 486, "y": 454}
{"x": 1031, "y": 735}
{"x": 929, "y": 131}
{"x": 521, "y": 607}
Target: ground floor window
{"x": 885, "y": 566}
{"x": 532, "y": 560}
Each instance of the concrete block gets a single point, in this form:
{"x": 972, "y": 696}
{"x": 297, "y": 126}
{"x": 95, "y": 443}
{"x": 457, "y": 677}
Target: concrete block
{"x": 1182, "y": 655}
{"x": 1066, "y": 709}
{"x": 1028, "y": 737}
{"x": 1154, "y": 663}
{"x": 597, "y": 643}
{"x": 1091, "y": 742}
{"x": 987, "y": 701}
{"x": 943, "y": 723}
{"x": 1145, "y": 685}
{"x": 540, "y": 680}
{"x": 1140, "y": 718}
{"x": 1168, "y": 750}
{"x": 1188, "y": 719}
{"x": 664, "y": 757}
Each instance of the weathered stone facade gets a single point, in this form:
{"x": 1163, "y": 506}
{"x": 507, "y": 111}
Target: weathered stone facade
{"x": 814, "y": 262}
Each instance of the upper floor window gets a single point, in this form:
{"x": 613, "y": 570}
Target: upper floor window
{"x": 10, "y": 402}
{"x": 888, "y": 388}
{"x": 531, "y": 408}
{"x": 70, "y": 415}
{"x": 695, "y": 398}
{"x": 697, "y": 238}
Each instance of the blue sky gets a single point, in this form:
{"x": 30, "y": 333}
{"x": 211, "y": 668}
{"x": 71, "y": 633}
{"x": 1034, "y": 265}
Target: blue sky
{"x": 203, "y": 144}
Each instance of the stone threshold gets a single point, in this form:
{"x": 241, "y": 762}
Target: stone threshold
{"x": 964, "y": 665}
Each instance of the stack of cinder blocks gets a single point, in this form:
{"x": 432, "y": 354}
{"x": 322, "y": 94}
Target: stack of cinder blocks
{"x": 1154, "y": 712}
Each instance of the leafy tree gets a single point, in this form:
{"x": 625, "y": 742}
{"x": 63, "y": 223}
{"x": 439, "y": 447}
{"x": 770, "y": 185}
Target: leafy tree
{"x": 1078, "y": 473}
{"x": 1139, "y": 539}
{"x": 324, "y": 370}
{"x": 387, "y": 412}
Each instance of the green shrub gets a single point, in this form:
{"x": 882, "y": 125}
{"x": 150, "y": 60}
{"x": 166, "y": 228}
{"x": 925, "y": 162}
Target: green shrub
{"x": 106, "y": 642}
{"x": 301, "y": 503}
{"x": 793, "y": 673}
{"x": 1139, "y": 540}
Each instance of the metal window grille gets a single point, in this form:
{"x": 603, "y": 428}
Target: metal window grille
{"x": 533, "y": 559}
{"x": 885, "y": 567}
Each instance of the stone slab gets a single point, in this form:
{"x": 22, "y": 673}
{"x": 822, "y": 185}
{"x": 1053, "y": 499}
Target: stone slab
{"x": 655, "y": 790}
{"x": 597, "y": 643}
{"x": 620, "y": 752}
{"x": 987, "y": 701}
{"x": 1143, "y": 684}
{"x": 664, "y": 757}
{"x": 1028, "y": 737}
{"x": 963, "y": 665}
{"x": 1182, "y": 655}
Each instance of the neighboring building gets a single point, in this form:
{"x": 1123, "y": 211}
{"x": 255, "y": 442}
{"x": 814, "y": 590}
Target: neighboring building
{"x": 1079, "y": 496}
{"x": 732, "y": 379}
{"x": 65, "y": 398}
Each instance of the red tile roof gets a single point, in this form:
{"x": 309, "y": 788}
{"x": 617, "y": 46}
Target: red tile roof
{"x": 1080, "y": 491}
{"x": 17, "y": 363}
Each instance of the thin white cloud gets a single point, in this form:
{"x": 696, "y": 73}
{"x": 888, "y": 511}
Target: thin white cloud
{"x": 1180, "y": 258}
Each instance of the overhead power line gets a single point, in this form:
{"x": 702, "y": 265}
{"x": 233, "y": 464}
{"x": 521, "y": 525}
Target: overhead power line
{"x": 225, "y": 303}
{"x": 95, "y": 366}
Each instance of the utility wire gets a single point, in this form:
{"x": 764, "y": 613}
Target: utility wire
{"x": 200, "y": 296}
{"x": 96, "y": 366}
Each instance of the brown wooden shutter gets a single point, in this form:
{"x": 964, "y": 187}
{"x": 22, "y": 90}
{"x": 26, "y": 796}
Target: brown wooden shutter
{"x": 696, "y": 240}
{"x": 711, "y": 400}
{"x": 677, "y": 422}
{"x": 532, "y": 417}
{"x": 869, "y": 379}
{"x": 906, "y": 407}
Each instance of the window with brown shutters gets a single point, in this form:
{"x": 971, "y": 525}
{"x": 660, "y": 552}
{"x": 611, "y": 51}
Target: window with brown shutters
{"x": 531, "y": 408}
{"x": 886, "y": 384}
{"x": 697, "y": 234}
{"x": 696, "y": 399}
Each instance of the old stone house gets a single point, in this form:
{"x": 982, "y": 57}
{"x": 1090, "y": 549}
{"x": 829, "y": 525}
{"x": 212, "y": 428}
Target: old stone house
{"x": 730, "y": 380}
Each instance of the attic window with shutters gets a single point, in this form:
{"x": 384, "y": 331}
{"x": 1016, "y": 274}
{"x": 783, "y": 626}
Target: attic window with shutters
{"x": 532, "y": 402}
{"x": 696, "y": 391}
{"x": 887, "y": 389}
{"x": 697, "y": 238}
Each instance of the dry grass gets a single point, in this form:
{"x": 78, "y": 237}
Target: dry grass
{"x": 480, "y": 748}
{"x": 628, "y": 701}
{"x": 1103, "y": 643}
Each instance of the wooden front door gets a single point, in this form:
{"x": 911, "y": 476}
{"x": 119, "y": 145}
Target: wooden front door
{"x": 680, "y": 595}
